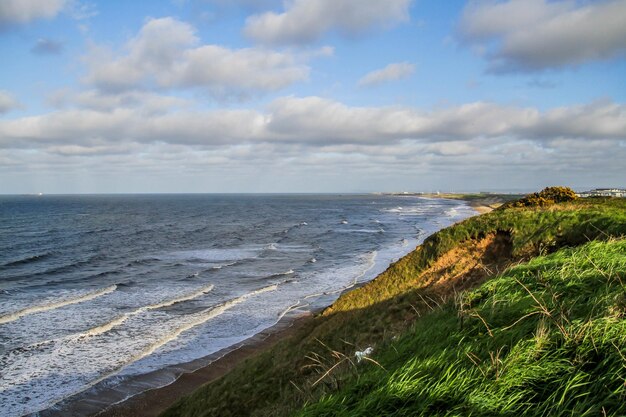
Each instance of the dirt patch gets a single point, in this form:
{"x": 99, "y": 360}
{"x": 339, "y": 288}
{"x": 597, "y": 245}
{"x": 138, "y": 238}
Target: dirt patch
{"x": 469, "y": 264}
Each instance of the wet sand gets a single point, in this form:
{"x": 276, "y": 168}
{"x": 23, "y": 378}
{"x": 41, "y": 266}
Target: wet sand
{"x": 481, "y": 208}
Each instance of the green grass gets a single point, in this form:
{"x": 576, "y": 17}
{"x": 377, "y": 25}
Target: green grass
{"x": 546, "y": 338}
{"x": 533, "y": 231}
{"x": 422, "y": 337}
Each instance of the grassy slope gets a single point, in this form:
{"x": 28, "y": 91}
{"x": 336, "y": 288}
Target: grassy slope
{"x": 545, "y": 338}
{"x": 318, "y": 363}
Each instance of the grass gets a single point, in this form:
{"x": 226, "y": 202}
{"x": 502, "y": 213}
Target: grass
{"x": 541, "y": 336}
{"x": 533, "y": 232}
{"x": 546, "y": 338}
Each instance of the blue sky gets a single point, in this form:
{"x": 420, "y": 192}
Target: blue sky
{"x": 311, "y": 95}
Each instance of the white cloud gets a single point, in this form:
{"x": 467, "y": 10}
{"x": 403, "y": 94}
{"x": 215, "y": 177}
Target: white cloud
{"x": 597, "y": 120}
{"x": 325, "y": 121}
{"x": 16, "y": 12}
{"x": 305, "y": 21}
{"x": 147, "y": 102}
{"x": 391, "y": 72}
{"x": 298, "y": 143}
{"x": 317, "y": 122}
{"x": 7, "y": 102}
{"x": 534, "y": 35}
{"x": 166, "y": 54}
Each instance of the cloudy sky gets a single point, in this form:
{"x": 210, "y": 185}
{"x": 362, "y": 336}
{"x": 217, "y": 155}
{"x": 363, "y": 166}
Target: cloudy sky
{"x": 311, "y": 95}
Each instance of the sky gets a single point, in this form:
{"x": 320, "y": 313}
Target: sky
{"x": 311, "y": 96}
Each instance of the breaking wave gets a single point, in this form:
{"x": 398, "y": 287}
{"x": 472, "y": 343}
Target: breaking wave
{"x": 7, "y": 318}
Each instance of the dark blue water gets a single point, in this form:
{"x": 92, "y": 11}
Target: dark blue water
{"x": 100, "y": 289}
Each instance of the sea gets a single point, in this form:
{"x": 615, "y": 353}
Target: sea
{"x": 106, "y": 296}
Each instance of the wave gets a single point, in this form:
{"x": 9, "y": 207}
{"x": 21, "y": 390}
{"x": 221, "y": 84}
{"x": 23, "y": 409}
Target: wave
{"x": 118, "y": 321}
{"x": 140, "y": 262}
{"x": 55, "y": 270}
{"x": 220, "y": 266}
{"x": 196, "y": 294}
{"x": 94, "y": 331}
{"x": 282, "y": 274}
{"x": 380, "y": 230}
{"x": 27, "y": 260}
{"x": 408, "y": 211}
{"x": 370, "y": 262}
{"x": 64, "y": 281}
{"x": 289, "y": 309}
{"x": 216, "y": 255}
{"x": 200, "y": 319}
{"x": 295, "y": 226}
{"x": 7, "y": 318}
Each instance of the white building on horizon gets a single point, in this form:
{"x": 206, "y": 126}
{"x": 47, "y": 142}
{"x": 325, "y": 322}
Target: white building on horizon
{"x": 604, "y": 192}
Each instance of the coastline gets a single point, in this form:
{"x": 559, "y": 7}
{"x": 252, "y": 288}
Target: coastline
{"x": 481, "y": 202}
{"x": 154, "y": 401}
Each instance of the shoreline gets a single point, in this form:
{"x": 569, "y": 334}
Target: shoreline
{"x": 154, "y": 401}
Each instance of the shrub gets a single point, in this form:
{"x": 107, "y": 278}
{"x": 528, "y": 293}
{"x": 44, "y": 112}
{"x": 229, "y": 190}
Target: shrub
{"x": 546, "y": 197}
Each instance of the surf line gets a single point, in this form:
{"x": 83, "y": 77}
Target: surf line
{"x": 7, "y": 318}
{"x": 201, "y": 318}
{"x": 121, "y": 319}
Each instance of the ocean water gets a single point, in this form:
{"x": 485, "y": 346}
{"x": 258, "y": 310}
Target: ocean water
{"x": 98, "y": 290}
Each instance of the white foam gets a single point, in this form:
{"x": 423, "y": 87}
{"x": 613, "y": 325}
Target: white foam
{"x": 220, "y": 266}
{"x": 359, "y": 231}
{"x": 201, "y": 318}
{"x": 337, "y": 280}
{"x": 202, "y": 291}
{"x": 216, "y": 255}
{"x": 55, "y": 371}
{"x": 287, "y": 248}
{"x": 7, "y": 318}
{"x": 120, "y": 320}
{"x": 94, "y": 331}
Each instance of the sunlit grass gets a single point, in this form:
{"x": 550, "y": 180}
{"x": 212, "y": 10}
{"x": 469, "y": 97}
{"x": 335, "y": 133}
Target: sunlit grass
{"x": 546, "y": 338}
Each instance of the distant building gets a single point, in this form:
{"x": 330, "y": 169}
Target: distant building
{"x": 604, "y": 192}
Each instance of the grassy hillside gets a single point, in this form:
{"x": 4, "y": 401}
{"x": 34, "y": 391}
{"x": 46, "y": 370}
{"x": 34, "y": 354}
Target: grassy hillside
{"x": 438, "y": 349}
{"x": 547, "y": 337}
